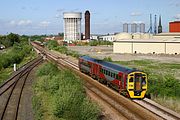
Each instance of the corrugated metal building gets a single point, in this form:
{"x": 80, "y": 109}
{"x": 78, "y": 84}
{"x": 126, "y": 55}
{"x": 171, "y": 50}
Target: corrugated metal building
{"x": 174, "y": 26}
{"x": 170, "y": 46}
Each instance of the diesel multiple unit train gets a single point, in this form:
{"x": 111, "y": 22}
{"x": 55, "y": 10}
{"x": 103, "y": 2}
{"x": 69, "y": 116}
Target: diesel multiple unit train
{"x": 130, "y": 82}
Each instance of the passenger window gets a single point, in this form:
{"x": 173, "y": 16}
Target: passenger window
{"x": 108, "y": 73}
{"x": 131, "y": 79}
{"x": 116, "y": 76}
{"x": 111, "y": 74}
{"x": 143, "y": 80}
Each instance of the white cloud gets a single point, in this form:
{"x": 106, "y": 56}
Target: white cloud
{"x": 12, "y": 22}
{"x": 24, "y": 22}
{"x": 177, "y": 16}
{"x": 44, "y": 23}
{"x": 137, "y": 22}
{"x": 20, "y": 23}
{"x": 136, "y": 14}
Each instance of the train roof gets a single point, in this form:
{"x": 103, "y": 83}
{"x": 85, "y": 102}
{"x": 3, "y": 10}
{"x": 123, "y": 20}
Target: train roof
{"x": 110, "y": 65}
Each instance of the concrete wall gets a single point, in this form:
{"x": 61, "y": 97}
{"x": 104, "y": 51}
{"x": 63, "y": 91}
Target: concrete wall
{"x": 146, "y": 47}
{"x": 122, "y": 47}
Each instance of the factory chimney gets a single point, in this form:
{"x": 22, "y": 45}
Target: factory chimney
{"x": 160, "y": 26}
{"x": 87, "y": 25}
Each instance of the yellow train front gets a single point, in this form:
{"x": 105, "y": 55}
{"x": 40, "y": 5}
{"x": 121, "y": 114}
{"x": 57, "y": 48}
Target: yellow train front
{"x": 137, "y": 84}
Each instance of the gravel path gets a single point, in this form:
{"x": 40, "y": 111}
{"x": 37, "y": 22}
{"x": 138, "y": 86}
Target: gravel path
{"x": 107, "y": 51}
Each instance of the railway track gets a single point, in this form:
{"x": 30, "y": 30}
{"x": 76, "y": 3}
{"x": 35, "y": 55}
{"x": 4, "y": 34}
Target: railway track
{"x": 11, "y": 91}
{"x": 129, "y": 109}
{"x": 158, "y": 109}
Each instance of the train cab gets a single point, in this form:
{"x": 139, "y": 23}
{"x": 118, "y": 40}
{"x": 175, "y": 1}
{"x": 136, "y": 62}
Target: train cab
{"x": 137, "y": 85}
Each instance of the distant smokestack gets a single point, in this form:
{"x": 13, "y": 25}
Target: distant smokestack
{"x": 160, "y": 26}
{"x": 87, "y": 25}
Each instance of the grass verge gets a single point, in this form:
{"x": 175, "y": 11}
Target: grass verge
{"x": 59, "y": 95}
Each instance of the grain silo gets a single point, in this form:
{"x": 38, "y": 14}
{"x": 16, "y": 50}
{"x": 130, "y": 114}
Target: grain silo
{"x": 142, "y": 28}
{"x": 125, "y": 27}
{"x": 133, "y": 28}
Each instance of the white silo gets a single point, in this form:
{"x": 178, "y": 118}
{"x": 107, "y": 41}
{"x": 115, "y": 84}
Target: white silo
{"x": 142, "y": 28}
{"x": 133, "y": 28}
{"x": 72, "y": 26}
{"x": 125, "y": 27}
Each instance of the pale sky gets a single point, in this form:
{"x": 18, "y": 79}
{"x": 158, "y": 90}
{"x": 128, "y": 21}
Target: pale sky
{"x": 107, "y": 16}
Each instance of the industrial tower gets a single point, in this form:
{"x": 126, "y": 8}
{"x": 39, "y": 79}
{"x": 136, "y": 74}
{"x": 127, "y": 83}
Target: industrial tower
{"x": 160, "y": 26}
{"x": 155, "y": 25}
{"x": 87, "y": 25}
{"x": 72, "y": 26}
{"x": 150, "y": 28}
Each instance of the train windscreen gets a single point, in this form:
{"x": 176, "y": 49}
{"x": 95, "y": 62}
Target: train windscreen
{"x": 138, "y": 81}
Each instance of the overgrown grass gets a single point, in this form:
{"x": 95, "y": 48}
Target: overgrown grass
{"x": 8, "y": 59}
{"x": 59, "y": 95}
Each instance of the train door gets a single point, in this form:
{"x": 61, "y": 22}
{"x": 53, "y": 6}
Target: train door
{"x": 95, "y": 69}
{"x": 137, "y": 82}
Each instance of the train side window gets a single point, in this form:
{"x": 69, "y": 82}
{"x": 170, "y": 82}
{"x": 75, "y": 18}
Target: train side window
{"x": 131, "y": 79}
{"x": 109, "y": 73}
{"x": 106, "y": 72}
{"x": 114, "y": 75}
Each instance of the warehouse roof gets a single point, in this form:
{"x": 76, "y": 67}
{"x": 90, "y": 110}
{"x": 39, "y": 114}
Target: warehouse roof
{"x": 163, "y": 40}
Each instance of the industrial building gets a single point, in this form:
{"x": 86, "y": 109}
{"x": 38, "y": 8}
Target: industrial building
{"x": 110, "y": 37}
{"x": 147, "y": 43}
{"x": 147, "y": 46}
{"x": 174, "y": 26}
{"x": 72, "y": 26}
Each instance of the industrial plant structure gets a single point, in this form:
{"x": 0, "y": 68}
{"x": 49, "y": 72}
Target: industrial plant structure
{"x": 174, "y": 26}
{"x": 72, "y": 26}
{"x": 134, "y": 27}
{"x": 159, "y": 26}
{"x": 87, "y": 25}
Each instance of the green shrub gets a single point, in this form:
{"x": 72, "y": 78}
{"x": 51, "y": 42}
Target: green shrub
{"x": 63, "y": 92}
{"x": 15, "y": 55}
{"x": 108, "y": 59}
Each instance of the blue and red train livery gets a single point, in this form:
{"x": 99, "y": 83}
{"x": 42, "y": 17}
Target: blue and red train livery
{"x": 129, "y": 82}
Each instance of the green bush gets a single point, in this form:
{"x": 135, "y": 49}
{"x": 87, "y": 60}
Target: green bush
{"x": 99, "y": 42}
{"x": 15, "y": 55}
{"x": 51, "y": 44}
{"x": 108, "y": 59}
{"x": 63, "y": 93}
